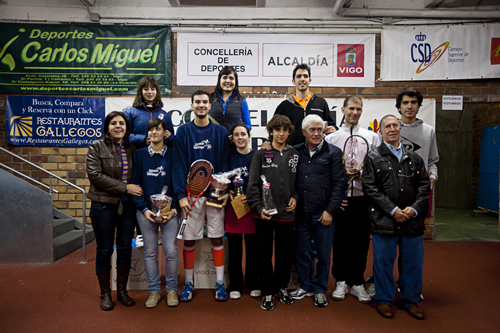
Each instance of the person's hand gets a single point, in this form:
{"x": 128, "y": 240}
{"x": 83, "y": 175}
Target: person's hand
{"x": 343, "y": 205}
{"x": 134, "y": 190}
{"x": 291, "y": 205}
{"x": 400, "y": 216}
{"x": 266, "y": 145}
{"x": 149, "y": 215}
{"x": 326, "y": 218}
{"x": 147, "y": 141}
{"x": 223, "y": 199}
{"x": 409, "y": 211}
{"x": 329, "y": 129}
{"x": 432, "y": 183}
{"x": 230, "y": 138}
{"x": 264, "y": 215}
{"x": 244, "y": 199}
{"x": 231, "y": 195}
{"x": 168, "y": 216}
{"x": 185, "y": 206}
{"x": 166, "y": 135}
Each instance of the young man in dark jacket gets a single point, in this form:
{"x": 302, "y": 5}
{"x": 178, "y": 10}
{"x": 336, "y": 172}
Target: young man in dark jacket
{"x": 303, "y": 103}
{"x": 279, "y": 166}
{"x": 397, "y": 186}
{"x": 321, "y": 185}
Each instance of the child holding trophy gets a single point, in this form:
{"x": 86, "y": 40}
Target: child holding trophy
{"x": 156, "y": 209}
{"x": 240, "y": 219}
{"x": 272, "y": 194}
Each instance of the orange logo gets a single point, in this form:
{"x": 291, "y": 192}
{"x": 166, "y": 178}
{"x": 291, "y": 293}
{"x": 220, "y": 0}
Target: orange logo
{"x": 435, "y": 55}
{"x": 495, "y": 51}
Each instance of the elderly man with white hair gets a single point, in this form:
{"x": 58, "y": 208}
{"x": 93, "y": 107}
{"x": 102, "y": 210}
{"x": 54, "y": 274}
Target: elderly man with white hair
{"x": 321, "y": 185}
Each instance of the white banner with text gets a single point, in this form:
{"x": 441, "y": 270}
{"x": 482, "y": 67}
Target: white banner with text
{"x": 440, "y": 52}
{"x": 262, "y": 60}
{"x": 262, "y": 110}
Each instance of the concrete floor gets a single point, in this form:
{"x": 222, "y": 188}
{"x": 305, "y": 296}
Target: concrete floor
{"x": 460, "y": 225}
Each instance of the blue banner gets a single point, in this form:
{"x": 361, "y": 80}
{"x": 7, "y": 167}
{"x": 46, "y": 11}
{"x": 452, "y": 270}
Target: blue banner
{"x": 54, "y": 121}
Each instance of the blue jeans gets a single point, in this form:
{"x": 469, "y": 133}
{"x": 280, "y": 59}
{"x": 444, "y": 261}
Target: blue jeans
{"x": 169, "y": 240}
{"x": 412, "y": 267}
{"x": 308, "y": 223}
{"x": 105, "y": 219}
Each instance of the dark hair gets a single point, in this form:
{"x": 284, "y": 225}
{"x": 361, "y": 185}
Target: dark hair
{"x": 239, "y": 125}
{"x": 411, "y": 92}
{"x": 108, "y": 119}
{"x": 278, "y": 121}
{"x": 354, "y": 99}
{"x": 155, "y": 122}
{"x": 147, "y": 81}
{"x": 387, "y": 116}
{"x": 226, "y": 70}
{"x": 199, "y": 92}
{"x": 301, "y": 66}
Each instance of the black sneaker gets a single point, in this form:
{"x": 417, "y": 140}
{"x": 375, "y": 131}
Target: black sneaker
{"x": 283, "y": 296}
{"x": 267, "y": 303}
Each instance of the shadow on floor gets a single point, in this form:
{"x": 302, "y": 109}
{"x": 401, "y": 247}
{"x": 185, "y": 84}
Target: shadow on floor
{"x": 459, "y": 225}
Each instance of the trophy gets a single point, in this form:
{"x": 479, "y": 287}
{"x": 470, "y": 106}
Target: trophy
{"x": 218, "y": 186}
{"x": 238, "y": 184}
{"x": 160, "y": 201}
{"x": 267, "y": 198}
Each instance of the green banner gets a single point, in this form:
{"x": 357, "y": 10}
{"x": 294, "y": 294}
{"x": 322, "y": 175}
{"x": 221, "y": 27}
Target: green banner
{"x": 82, "y": 59}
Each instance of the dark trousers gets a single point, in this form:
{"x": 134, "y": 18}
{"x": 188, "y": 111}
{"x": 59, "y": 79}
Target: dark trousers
{"x": 351, "y": 243}
{"x": 235, "y": 270}
{"x": 284, "y": 252}
{"x": 105, "y": 219}
{"x": 307, "y": 224}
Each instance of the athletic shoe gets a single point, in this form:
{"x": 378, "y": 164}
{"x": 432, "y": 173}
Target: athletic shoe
{"x": 267, "y": 303}
{"x": 255, "y": 293}
{"x": 340, "y": 290}
{"x": 234, "y": 295}
{"x": 139, "y": 242}
{"x": 283, "y": 296}
{"x": 187, "y": 292}
{"x": 172, "y": 299}
{"x": 320, "y": 300}
{"x": 421, "y": 298}
{"x": 220, "y": 291}
{"x": 153, "y": 300}
{"x": 360, "y": 292}
{"x": 300, "y": 293}
{"x": 370, "y": 283}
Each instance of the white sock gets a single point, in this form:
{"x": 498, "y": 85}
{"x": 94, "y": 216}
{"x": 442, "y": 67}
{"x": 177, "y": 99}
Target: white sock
{"x": 219, "y": 271}
{"x": 188, "y": 273}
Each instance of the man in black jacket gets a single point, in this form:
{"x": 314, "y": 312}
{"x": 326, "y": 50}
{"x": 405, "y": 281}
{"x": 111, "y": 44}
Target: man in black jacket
{"x": 303, "y": 103}
{"x": 397, "y": 187}
{"x": 321, "y": 185}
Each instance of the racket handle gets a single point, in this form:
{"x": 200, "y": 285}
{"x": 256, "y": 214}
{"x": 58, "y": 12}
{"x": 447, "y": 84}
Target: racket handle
{"x": 181, "y": 229}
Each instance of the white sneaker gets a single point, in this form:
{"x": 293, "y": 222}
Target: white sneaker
{"x": 139, "y": 242}
{"x": 340, "y": 290}
{"x": 234, "y": 295}
{"x": 255, "y": 293}
{"x": 300, "y": 293}
{"x": 360, "y": 292}
{"x": 371, "y": 289}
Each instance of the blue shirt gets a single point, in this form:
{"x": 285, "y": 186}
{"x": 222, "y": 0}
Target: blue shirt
{"x": 237, "y": 160}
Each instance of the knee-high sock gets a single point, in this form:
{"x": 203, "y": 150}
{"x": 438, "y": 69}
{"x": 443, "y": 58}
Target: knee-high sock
{"x": 189, "y": 256}
{"x": 218, "y": 253}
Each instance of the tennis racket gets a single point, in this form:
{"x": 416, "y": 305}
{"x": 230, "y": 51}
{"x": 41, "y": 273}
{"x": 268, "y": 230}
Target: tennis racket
{"x": 354, "y": 156}
{"x": 198, "y": 180}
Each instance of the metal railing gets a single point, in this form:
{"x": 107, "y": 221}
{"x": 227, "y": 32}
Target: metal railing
{"x": 51, "y": 191}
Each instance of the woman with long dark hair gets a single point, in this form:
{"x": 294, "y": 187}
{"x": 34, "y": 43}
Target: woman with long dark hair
{"x": 109, "y": 168}
{"x": 228, "y": 106}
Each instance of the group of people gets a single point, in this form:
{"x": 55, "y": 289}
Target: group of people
{"x": 300, "y": 167}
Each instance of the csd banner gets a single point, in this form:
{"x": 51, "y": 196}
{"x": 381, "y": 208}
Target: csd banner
{"x": 339, "y": 60}
{"x": 82, "y": 59}
{"x": 54, "y": 121}
{"x": 444, "y": 52}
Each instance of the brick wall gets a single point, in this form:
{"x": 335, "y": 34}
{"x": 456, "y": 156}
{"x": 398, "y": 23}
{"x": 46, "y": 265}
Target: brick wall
{"x": 69, "y": 162}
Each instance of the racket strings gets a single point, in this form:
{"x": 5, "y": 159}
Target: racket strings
{"x": 199, "y": 178}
